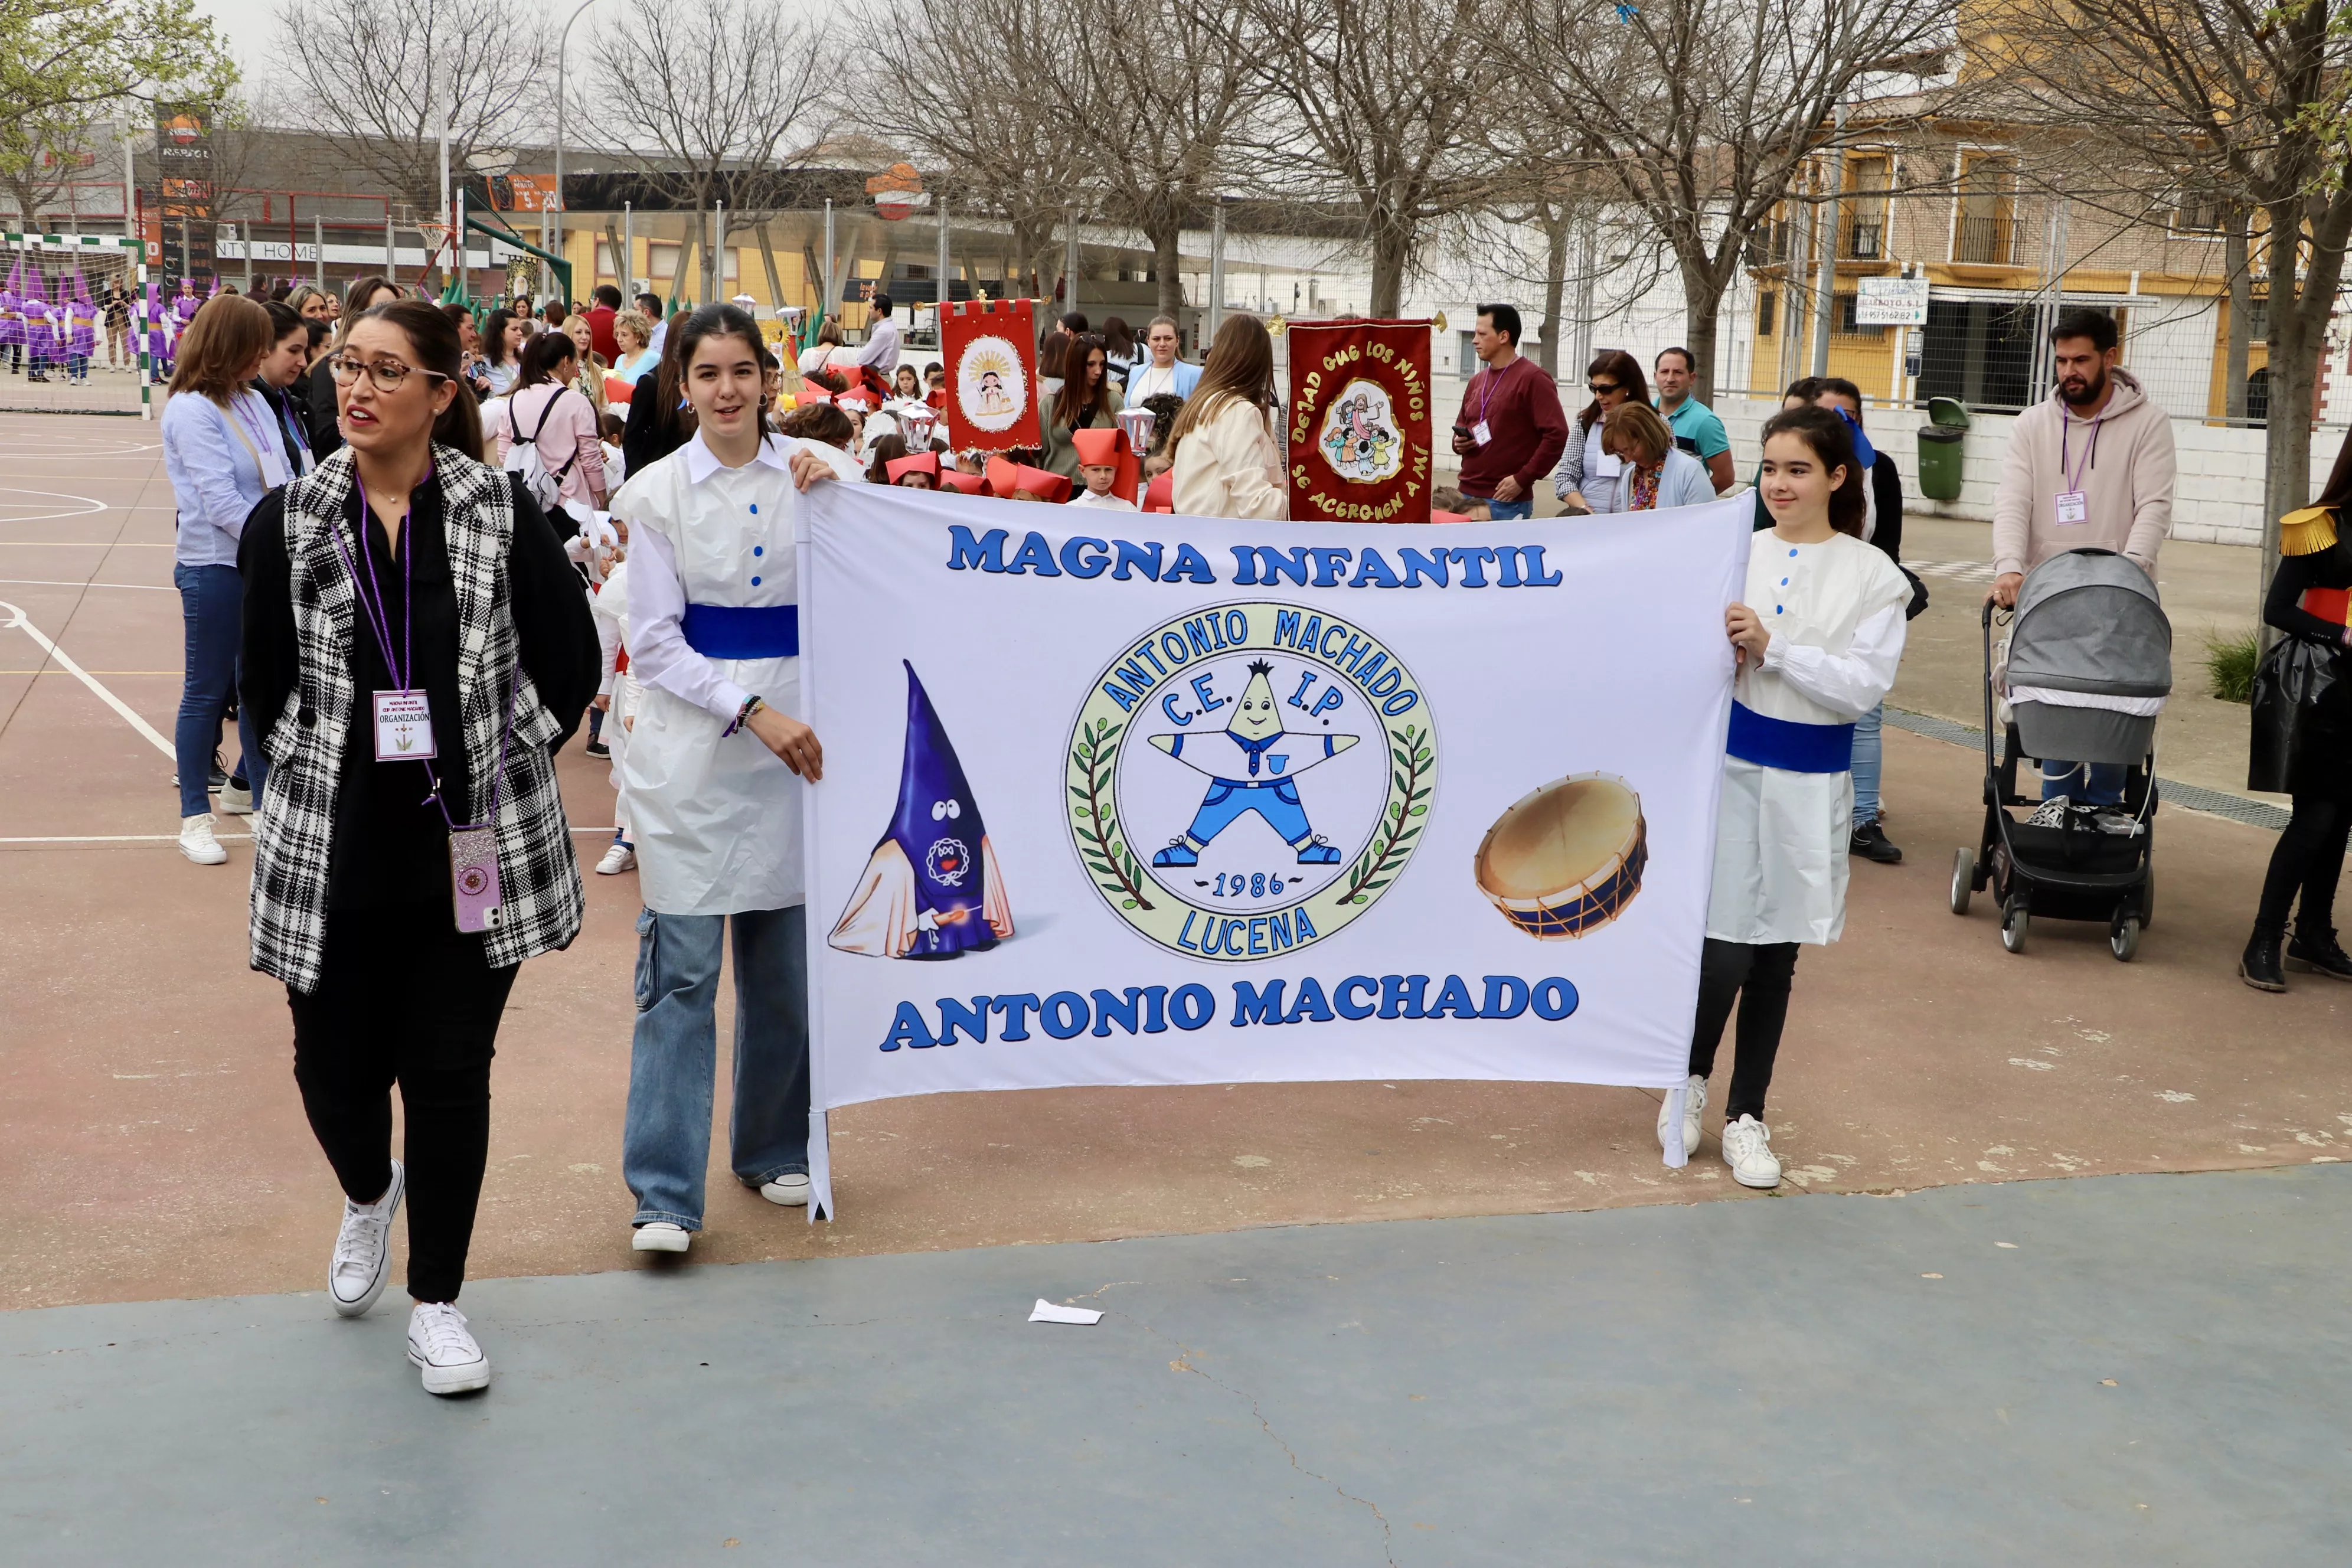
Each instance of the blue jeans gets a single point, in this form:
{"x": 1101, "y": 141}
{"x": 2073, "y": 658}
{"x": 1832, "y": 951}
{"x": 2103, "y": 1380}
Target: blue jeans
{"x": 2086, "y": 784}
{"x": 1869, "y": 758}
{"x": 212, "y": 602}
{"x": 1511, "y": 511}
{"x": 665, "y": 1143}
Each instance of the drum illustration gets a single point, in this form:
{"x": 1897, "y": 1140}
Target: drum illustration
{"x": 1567, "y": 858}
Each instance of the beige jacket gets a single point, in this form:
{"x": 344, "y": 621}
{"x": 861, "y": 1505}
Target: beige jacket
{"x": 2125, "y": 470}
{"x": 1228, "y": 466}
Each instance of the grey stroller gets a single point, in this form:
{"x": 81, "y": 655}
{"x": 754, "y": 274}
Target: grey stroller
{"x": 2090, "y": 663}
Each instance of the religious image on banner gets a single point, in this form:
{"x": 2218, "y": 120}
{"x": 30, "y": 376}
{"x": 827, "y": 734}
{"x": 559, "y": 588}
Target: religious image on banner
{"x": 1360, "y": 421}
{"x": 931, "y": 888}
{"x": 990, "y": 348}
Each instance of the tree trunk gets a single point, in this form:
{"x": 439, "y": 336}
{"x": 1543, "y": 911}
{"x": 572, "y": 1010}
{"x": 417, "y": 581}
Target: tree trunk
{"x": 2298, "y": 318}
{"x": 2241, "y": 310}
{"x": 1166, "y": 259}
{"x": 1392, "y": 237}
{"x": 775, "y": 279}
{"x": 1702, "y": 317}
{"x": 1555, "y": 228}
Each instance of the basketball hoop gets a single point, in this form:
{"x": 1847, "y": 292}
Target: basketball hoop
{"x": 435, "y": 235}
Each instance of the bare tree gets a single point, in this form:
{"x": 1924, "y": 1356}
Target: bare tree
{"x": 1156, "y": 88}
{"x": 378, "y": 83}
{"x": 2247, "y": 103}
{"x": 1700, "y": 115}
{"x": 979, "y": 93}
{"x": 719, "y": 113}
{"x": 1378, "y": 104}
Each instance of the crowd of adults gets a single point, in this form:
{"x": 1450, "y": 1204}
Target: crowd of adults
{"x": 414, "y": 555}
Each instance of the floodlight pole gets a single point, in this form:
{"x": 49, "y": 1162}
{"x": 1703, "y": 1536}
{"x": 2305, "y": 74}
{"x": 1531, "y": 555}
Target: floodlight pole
{"x": 561, "y": 43}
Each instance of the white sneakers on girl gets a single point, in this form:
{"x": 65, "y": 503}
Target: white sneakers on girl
{"x": 621, "y": 857}
{"x": 197, "y": 843}
{"x": 1693, "y": 1101}
{"x": 1748, "y": 1150}
{"x": 791, "y": 1190}
{"x": 440, "y": 1348}
{"x": 363, "y": 1249}
{"x": 661, "y": 1236}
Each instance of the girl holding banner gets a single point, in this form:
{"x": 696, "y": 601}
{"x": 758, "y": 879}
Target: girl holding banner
{"x": 713, "y": 771}
{"x": 1817, "y": 640}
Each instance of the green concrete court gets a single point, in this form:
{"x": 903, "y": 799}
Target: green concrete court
{"x": 2118, "y": 1369}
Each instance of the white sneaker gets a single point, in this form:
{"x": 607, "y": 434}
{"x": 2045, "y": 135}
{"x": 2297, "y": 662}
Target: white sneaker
{"x": 235, "y": 801}
{"x": 197, "y": 843}
{"x": 790, "y": 1189}
{"x": 2050, "y": 813}
{"x": 1748, "y": 1150}
{"x": 439, "y": 1347}
{"x": 363, "y": 1249}
{"x": 661, "y": 1236}
{"x": 620, "y": 857}
{"x": 1693, "y": 1101}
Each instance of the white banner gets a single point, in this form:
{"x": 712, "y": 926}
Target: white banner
{"x": 1115, "y": 798}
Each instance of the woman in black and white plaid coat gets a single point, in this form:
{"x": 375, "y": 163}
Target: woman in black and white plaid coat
{"x": 402, "y": 565}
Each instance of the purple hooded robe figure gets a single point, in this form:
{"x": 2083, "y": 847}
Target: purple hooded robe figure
{"x": 40, "y": 325}
{"x": 158, "y": 340}
{"x": 931, "y": 888}
{"x": 12, "y": 317}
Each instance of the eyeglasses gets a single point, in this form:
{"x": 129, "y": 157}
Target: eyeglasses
{"x": 386, "y": 373}
{"x": 1602, "y": 388}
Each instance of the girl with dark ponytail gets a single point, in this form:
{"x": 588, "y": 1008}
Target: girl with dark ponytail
{"x": 1815, "y": 642}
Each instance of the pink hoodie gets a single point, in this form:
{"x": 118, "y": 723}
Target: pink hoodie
{"x": 2122, "y": 463}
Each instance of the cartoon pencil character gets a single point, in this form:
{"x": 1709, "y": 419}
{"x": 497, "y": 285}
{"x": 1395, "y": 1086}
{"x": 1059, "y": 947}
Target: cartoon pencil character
{"x": 1253, "y": 764}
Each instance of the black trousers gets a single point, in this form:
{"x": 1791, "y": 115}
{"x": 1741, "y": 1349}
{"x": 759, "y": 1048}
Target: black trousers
{"x": 2308, "y": 859}
{"x": 405, "y": 999}
{"x": 1758, "y": 977}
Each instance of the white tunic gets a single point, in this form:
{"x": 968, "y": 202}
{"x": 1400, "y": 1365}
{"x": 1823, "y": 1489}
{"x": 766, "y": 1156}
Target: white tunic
{"x": 716, "y": 817}
{"x": 1835, "y": 612}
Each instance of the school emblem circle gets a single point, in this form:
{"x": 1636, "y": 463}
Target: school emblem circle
{"x": 1246, "y": 779}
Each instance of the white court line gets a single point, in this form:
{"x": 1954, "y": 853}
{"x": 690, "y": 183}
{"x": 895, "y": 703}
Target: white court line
{"x": 171, "y": 838}
{"x": 17, "y": 620}
{"x": 60, "y": 583}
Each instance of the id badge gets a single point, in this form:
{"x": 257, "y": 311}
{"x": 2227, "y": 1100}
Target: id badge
{"x": 2074, "y": 507}
{"x": 474, "y": 878}
{"x": 1480, "y": 434}
{"x": 404, "y": 727}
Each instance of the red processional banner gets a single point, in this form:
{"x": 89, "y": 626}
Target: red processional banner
{"x": 1358, "y": 421}
{"x": 990, "y": 348}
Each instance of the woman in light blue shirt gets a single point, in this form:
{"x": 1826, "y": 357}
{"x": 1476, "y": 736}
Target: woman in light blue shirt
{"x": 1653, "y": 473}
{"x": 222, "y": 455}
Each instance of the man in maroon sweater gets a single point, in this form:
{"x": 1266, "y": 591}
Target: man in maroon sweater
{"x": 1511, "y": 430}
{"x": 599, "y": 322}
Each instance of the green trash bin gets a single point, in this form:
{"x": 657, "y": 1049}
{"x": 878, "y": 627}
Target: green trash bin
{"x": 1941, "y": 441}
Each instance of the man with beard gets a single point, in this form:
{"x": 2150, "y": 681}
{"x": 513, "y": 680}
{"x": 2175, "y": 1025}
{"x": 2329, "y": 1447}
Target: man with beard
{"x": 2091, "y": 466}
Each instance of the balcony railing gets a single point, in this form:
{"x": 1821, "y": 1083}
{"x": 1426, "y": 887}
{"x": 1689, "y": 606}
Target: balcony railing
{"x": 1866, "y": 239}
{"x": 1985, "y": 241}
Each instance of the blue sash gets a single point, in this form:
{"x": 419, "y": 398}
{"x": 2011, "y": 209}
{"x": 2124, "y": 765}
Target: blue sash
{"x": 746, "y": 631}
{"x": 1789, "y": 746}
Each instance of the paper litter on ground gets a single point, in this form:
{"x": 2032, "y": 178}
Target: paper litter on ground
{"x": 1047, "y": 1312}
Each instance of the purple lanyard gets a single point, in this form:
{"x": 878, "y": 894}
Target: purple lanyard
{"x": 379, "y": 619}
{"x": 1493, "y": 380}
{"x": 2090, "y": 452}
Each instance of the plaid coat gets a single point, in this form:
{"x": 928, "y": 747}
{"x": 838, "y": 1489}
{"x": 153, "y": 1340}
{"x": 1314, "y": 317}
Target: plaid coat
{"x": 294, "y": 827}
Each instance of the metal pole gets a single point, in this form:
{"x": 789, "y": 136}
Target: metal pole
{"x": 1069, "y": 260}
{"x": 561, "y": 44}
{"x": 627, "y": 264}
{"x": 447, "y": 210}
{"x": 826, "y": 306}
{"x": 391, "y": 254}
{"x": 130, "y": 205}
{"x": 318, "y": 251}
{"x": 1216, "y": 268}
{"x": 943, "y": 276}
{"x": 245, "y": 231}
{"x": 1825, "y": 273}
{"x": 715, "y": 267}
{"x": 465, "y": 284}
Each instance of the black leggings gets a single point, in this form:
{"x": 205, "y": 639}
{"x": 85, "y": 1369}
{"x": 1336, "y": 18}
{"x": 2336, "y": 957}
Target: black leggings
{"x": 1758, "y": 975}
{"x": 2308, "y": 859}
{"x": 405, "y": 998}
